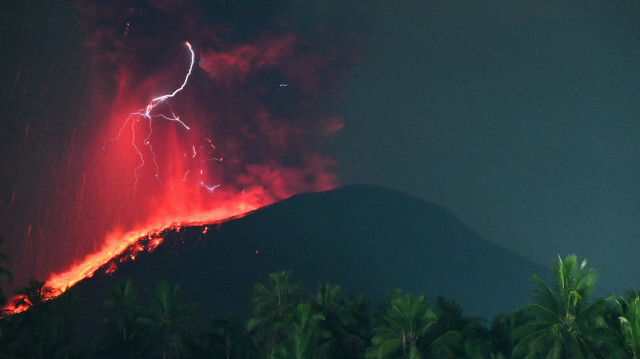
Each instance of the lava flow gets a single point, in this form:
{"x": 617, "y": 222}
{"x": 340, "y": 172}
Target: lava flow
{"x": 170, "y": 134}
{"x": 227, "y": 205}
{"x": 117, "y": 243}
{"x": 134, "y": 242}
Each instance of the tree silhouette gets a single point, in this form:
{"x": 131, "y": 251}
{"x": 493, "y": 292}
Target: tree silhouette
{"x": 455, "y": 336}
{"x": 34, "y": 295}
{"x": 121, "y": 322}
{"x": 270, "y": 305}
{"x": 406, "y": 320}
{"x": 165, "y": 320}
{"x": 44, "y": 328}
{"x": 305, "y": 338}
{"x": 564, "y": 322}
{"x": 502, "y": 328}
{"x": 229, "y": 340}
{"x": 346, "y": 321}
{"x": 624, "y": 324}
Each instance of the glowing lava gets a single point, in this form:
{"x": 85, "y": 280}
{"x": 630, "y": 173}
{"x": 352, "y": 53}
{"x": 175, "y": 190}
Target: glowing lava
{"x": 146, "y": 238}
{"x": 152, "y": 148}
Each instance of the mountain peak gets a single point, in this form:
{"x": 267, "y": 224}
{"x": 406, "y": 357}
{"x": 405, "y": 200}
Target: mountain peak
{"x": 367, "y": 239}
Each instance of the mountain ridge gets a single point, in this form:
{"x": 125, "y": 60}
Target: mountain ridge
{"x": 366, "y": 239}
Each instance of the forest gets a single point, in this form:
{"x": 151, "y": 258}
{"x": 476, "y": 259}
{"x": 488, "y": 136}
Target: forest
{"x": 563, "y": 320}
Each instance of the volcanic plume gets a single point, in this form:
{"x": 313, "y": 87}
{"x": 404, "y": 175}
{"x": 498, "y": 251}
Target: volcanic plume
{"x": 246, "y": 129}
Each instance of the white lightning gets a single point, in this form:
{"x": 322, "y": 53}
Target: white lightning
{"x": 146, "y": 113}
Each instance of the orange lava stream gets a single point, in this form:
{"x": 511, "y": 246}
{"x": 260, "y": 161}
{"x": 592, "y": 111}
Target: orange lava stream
{"x": 117, "y": 243}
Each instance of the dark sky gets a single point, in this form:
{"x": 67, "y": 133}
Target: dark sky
{"x": 521, "y": 118}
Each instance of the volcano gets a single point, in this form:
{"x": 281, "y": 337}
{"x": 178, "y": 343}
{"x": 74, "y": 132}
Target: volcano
{"x": 367, "y": 239}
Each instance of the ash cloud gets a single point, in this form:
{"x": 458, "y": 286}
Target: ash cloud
{"x": 263, "y": 91}
{"x": 261, "y": 100}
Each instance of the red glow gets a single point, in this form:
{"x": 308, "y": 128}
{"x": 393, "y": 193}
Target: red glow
{"x": 192, "y": 139}
{"x": 118, "y": 243}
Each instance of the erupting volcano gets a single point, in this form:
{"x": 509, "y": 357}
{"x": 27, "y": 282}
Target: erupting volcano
{"x": 177, "y": 133}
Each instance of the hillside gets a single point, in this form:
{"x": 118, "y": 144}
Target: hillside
{"x": 366, "y": 239}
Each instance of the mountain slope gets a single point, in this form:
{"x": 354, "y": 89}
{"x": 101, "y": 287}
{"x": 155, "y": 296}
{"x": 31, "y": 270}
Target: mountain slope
{"x": 366, "y": 239}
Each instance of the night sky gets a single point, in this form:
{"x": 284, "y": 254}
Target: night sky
{"x": 521, "y": 118}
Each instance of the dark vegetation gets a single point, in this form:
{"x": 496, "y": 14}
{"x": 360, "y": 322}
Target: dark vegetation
{"x": 172, "y": 302}
{"x": 564, "y": 321}
{"x": 367, "y": 239}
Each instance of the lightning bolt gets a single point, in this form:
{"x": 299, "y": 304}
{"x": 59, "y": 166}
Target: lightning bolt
{"x": 160, "y": 99}
{"x": 147, "y": 114}
{"x": 209, "y": 188}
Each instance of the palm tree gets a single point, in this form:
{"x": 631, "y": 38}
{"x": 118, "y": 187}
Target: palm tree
{"x": 166, "y": 318}
{"x": 229, "y": 339}
{"x": 624, "y": 322}
{"x": 121, "y": 321}
{"x": 34, "y": 295}
{"x": 564, "y": 322}
{"x": 122, "y": 304}
{"x": 455, "y": 336}
{"x": 358, "y": 306}
{"x": 44, "y": 329}
{"x": 270, "y": 305}
{"x": 305, "y": 338}
{"x": 344, "y": 320}
{"x": 502, "y": 328}
{"x": 406, "y": 320}
{"x": 63, "y": 308}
